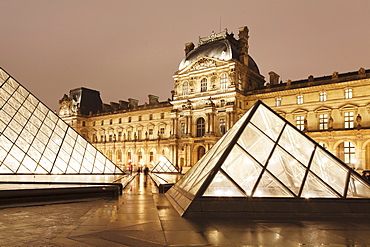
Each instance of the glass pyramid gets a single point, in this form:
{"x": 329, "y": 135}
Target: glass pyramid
{"x": 34, "y": 140}
{"x": 164, "y": 166}
{"x": 263, "y": 155}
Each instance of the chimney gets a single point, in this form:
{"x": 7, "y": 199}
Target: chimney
{"x": 274, "y": 78}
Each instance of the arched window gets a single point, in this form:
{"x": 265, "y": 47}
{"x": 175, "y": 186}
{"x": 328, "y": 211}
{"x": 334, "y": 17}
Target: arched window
{"x": 109, "y": 154}
{"x": 201, "y": 152}
{"x": 223, "y": 81}
{"x": 119, "y": 156}
{"x": 203, "y": 85}
{"x": 200, "y": 127}
{"x": 185, "y": 88}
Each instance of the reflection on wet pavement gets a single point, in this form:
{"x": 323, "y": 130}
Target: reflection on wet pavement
{"x": 143, "y": 217}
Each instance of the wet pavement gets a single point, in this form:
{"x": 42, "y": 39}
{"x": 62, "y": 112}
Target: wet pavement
{"x": 143, "y": 217}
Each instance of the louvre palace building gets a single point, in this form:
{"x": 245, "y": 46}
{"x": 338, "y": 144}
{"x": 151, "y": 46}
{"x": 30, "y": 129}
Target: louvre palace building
{"x": 216, "y": 83}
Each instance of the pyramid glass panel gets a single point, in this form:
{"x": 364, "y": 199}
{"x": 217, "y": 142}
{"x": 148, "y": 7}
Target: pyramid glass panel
{"x": 287, "y": 169}
{"x": 357, "y": 188}
{"x": 268, "y": 186}
{"x": 315, "y": 188}
{"x": 296, "y": 144}
{"x": 34, "y": 140}
{"x": 165, "y": 166}
{"x": 222, "y": 186}
{"x": 267, "y": 122}
{"x": 256, "y": 143}
{"x": 242, "y": 168}
{"x": 329, "y": 170}
{"x": 267, "y": 157}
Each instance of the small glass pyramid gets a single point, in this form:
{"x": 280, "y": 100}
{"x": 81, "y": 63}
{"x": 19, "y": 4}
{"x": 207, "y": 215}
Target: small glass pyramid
{"x": 34, "y": 140}
{"x": 263, "y": 155}
{"x": 164, "y": 166}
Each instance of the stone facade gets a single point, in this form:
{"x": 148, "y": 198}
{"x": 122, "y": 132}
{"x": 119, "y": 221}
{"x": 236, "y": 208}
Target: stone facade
{"x": 216, "y": 83}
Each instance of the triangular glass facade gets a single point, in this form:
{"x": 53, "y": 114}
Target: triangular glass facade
{"x": 34, "y": 140}
{"x": 263, "y": 155}
{"x": 164, "y": 166}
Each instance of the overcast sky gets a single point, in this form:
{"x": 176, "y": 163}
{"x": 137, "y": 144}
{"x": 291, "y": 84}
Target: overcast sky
{"x": 129, "y": 49}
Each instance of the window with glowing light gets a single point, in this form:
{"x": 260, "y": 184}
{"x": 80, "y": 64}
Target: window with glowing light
{"x": 349, "y": 151}
{"x": 223, "y": 81}
{"x": 323, "y": 121}
{"x": 322, "y": 96}
{"x": 278, "y": 102}
{"x": 300, "y": 99}
{"x": 348, "y": 93}
{"x": 349, "y": 120}
{"x": 299, "y": 122}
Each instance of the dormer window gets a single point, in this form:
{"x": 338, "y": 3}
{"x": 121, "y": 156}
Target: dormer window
{"x": 203, "y": 85}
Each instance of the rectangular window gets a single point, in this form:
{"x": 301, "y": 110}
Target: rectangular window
{"x": 161, "y": 130}
{"x": 349, "y": 153}
{"x": 151, "y": 134}
{"x": 300, "y": 99}
{"x": 323, "y": 121}
{"x": 139, "y": 134}
{"x": 349, "y": 120}
{"x": 323, "y": 96}
{"x": 119, "y": 136}
{"x": 182, "y": 129}
{"x": 222, "y": 126}
{"x": 139, "y": 118}
{"x": 348, "y": 93}
{"x": 120, "y": 120}
{"x": 151, "y": 117}
{"x": 129, "y": 135}
{"x": 299, "y": 122}
{"x": 162, "y": 115}
{"x": 278, "y": 102}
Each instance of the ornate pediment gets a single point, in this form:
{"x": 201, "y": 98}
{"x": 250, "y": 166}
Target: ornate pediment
{"x": 203, "y": 63}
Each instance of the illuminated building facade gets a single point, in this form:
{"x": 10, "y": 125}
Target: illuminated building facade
{"x": 216, "y": 83}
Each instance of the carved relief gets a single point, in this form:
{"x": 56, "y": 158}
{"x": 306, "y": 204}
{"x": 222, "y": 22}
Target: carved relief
{"x": 203, "y": 64}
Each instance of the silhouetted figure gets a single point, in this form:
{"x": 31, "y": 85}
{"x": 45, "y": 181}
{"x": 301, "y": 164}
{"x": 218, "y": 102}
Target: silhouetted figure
{"x": 146, "y": 170}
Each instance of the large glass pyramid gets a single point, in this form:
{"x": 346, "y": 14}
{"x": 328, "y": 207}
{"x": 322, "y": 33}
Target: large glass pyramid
{"x": 263, "y": 155}
{"x": 164, "y": 166}
{"x": 34, "y": 140}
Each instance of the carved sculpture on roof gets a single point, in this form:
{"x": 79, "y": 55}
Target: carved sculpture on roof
{"x": 203, "y": 64}
{"x": 213, "y": 37}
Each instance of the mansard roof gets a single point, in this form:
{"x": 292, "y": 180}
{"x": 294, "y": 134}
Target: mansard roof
{"x": 221, "y": 46}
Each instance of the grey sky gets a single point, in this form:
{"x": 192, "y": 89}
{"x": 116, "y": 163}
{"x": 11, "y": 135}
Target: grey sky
{"x": 129, "y": 49}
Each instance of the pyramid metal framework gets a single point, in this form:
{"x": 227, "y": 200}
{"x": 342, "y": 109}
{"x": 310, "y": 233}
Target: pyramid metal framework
{"x": 34, "y": 140}
{"x": 164, "y": 166}
{"x": 263, "y": 155}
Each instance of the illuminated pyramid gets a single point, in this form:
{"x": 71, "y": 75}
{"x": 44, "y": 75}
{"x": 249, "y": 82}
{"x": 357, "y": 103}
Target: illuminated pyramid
{"x": 34, "y": 140}
{"x": 264, "y": 156}
{"x": 164, "y": 166}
